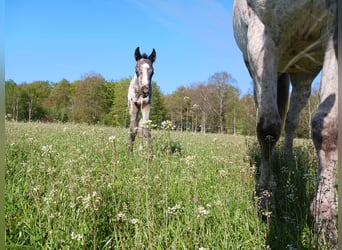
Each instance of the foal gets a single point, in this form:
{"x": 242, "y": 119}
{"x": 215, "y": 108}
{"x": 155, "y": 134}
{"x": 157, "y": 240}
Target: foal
{"x": 139, "y": 97}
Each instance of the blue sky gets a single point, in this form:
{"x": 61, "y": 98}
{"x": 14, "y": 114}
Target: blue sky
{"x": 55, "y": 39}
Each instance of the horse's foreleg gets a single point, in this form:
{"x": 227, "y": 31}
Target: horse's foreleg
{"x": 301, "y": 91}
{"x": 325, "y": 137}
{"x": 145, "y": 111}
{"x": 262, "y": 61}
{"x": 133, "y": 110}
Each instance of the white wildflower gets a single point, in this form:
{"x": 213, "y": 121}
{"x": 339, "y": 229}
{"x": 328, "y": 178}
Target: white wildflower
{"x": 135, "y": 221}
{"x": 190, "y": 160}
{"x": 86, "y": 201}
{"x": 176, "y": 209}
{"x": 202, "y": 211}
{"x": 121, "y": 217}
{"x": 223, "y": 173}
{"x": 167, "y": 125}
{"x": 147, "y": 124}
{"x": 76, "y": 236}
{"x": 92, "y": 200}
{"x": 111, "y": 138}
{"x": 47, "y": 150}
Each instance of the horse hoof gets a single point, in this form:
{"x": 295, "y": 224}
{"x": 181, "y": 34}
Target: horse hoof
{"x": 263, "y": 200}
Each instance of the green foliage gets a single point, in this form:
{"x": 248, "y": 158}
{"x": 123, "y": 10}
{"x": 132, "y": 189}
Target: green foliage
{"x": 58, "y": 102}
{"x": 158, "y": 108}
{"x": 119, "y": 114}
{"x": 88, "y": 102}
{"x": 209, "y": 106}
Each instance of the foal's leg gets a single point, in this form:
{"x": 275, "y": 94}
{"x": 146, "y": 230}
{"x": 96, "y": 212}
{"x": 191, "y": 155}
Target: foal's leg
{"x": 325, "y": 136}
{"x": 262, "y": 63}
{"x": 145, "y": 111}
{"x": 133, "y": 111}
{"x": 301, "y": 90}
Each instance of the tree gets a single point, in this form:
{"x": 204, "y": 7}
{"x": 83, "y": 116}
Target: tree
{"x": 88, "y": 101}
{"x": 248, "y": 115}
{"x": 119, "y": 115}
{"x": 219, "y": 86}
{"x": 175, "y": 104}
{"x": 12, "y": 94}
{"x": 158, "y": 108}
{"x": 58, "y": 102}
{"x": 200, "y": 96}
{"x": 232, "y": 109}
{"x": 31, "y": 100}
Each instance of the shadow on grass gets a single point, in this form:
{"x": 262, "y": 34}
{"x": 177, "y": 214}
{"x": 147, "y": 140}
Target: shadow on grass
{"x": 290, "y": 225}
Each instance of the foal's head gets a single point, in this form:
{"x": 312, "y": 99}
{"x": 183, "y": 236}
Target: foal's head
{"x": 144, "y": 71}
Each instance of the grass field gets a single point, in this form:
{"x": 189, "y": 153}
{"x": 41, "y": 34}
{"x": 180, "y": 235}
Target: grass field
{"x": 76, "y": 187}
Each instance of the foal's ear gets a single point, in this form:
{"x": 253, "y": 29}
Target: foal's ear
{"x": 153, "y": 56}
{"x": 137, "y": 54}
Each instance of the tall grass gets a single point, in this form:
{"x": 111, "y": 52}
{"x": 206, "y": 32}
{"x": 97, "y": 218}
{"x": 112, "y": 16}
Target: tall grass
{"x": 76, "y": 187}
{"x": 290, "y": 225}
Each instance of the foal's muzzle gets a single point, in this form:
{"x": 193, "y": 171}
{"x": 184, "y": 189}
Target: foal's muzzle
{"x": 145, "y": 91}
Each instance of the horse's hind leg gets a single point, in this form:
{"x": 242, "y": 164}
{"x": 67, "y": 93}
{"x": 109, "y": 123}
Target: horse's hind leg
{"x": 325, "y": 136}
{"x": 133, "y": 110}
{"x": 301, "y": 91}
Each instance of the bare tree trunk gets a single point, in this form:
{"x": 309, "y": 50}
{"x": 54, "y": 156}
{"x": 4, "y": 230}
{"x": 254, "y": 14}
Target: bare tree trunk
{"x": 234, "y": 122}
{"x": 30, "y": 110}
{"x": 204, "y": 119}
{"x": 17, "y": 110}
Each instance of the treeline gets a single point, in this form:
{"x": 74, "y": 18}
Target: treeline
{"x": 210, "y": 106}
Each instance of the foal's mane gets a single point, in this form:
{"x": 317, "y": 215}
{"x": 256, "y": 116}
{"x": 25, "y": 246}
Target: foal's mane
{"x": 145, "y": 56}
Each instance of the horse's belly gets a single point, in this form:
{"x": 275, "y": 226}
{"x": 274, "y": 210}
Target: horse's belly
{"x": 300, "y": 35}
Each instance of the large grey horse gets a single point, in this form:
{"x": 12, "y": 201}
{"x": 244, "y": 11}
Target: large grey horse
{"x": 285, "y": 41}
{"x": 139, "y": 97}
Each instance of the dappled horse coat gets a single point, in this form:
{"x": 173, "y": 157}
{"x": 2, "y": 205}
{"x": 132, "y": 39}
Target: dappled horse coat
{"x": 285, "y": 41}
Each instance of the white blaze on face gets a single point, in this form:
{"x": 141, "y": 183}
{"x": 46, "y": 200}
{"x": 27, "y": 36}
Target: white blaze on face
{"x": 145, "y": 74}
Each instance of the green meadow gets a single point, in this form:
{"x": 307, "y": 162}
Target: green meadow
{"x": 72, "y": 186}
